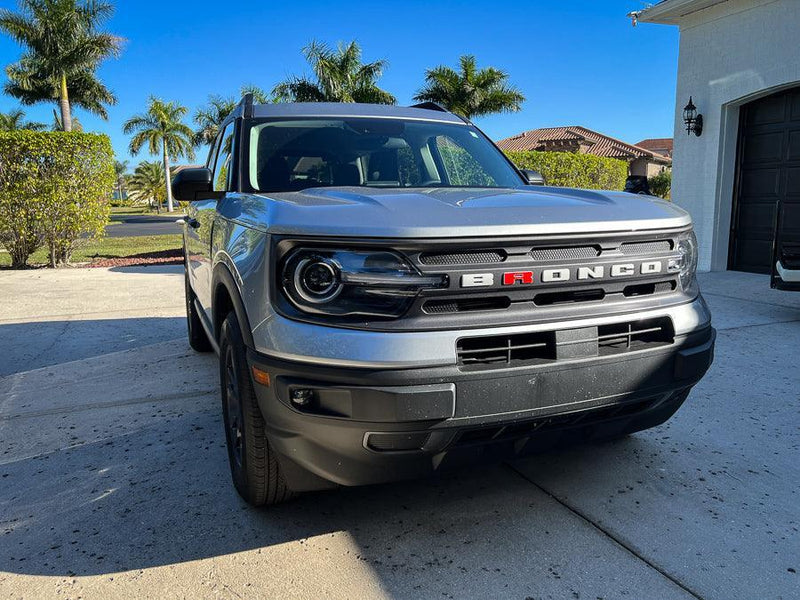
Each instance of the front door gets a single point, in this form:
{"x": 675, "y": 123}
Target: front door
{"x": 765, "y": 226}
{"x": 200, "y": 219}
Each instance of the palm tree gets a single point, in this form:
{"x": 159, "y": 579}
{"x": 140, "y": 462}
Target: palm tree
{"x": 57, "y": 125}
{"x": 162, "y": 129}
{"x": 259, "y": 95}
{"x": 147, "y": 184}
{"x": 120, "y": 174}
{"x": 15, "y": 119}
{"x": 470, "y": 92}
{"x": 209, "y": 117}
{"x": 340, "y": 77}
{"x": 63, "y": 49}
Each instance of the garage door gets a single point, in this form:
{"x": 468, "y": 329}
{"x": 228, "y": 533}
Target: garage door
{"x": 767, "y": 196}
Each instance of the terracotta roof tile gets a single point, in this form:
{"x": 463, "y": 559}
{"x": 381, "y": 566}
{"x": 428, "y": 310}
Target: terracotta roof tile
{"x": 660, "y": 145}
{"x": 601, "y": 145}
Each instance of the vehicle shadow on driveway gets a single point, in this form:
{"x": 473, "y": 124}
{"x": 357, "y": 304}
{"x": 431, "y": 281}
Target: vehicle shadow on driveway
{"x": 32, "y": 345}
{"x": 118, "y": 463}
{"x": 159, "y": 493}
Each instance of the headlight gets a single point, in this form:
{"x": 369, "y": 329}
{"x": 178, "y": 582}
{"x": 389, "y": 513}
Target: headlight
{"x": 373, "y": 283}
{"x": 686, "y": 263}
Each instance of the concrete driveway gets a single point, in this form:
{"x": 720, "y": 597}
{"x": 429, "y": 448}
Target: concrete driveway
{"x": 114, "y": 480}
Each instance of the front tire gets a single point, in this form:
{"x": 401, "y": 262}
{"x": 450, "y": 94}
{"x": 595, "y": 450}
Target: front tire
{"x": 254, "y": 468}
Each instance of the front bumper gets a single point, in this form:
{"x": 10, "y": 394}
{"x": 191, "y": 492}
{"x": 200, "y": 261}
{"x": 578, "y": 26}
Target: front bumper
{"x": 383, "y": 424}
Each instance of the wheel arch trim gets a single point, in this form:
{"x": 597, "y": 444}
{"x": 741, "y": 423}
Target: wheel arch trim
{"x": 222, "y": 276}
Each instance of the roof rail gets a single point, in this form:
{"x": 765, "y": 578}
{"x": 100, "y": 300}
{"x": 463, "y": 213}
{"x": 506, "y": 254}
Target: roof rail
{"x": 247, "y": 105}
{"x": 430, "y": 106}
{"x": 438, "y": 107}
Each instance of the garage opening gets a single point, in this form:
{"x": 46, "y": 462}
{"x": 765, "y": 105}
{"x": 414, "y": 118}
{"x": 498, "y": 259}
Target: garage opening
{"x": 766, "y": 202}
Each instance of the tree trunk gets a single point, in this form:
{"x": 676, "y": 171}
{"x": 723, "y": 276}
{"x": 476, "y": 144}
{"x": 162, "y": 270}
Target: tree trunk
{"x": 167, "y": 177}
{"x": 63, "y": 101}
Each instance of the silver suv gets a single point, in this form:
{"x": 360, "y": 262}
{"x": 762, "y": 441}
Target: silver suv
{"x": 390, "y": 296}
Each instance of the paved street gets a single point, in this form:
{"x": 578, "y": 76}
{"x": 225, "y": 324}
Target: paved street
{"x": 114, "y": 478}
{"x": 140, "y": 225}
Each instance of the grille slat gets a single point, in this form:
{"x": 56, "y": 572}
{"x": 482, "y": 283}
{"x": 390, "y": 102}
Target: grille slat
{"x": 532, "y": 348}
{"x": 649, "y": 247}
{"x": 463, "y": 258}
{"x": 565, "y": 253}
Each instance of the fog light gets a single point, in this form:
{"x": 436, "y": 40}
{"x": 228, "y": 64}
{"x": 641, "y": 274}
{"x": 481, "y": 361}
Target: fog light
{"x": 301, "y": 396}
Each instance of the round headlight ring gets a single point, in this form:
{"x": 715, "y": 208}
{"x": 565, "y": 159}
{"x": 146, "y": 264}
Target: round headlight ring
{"x": 316, "y": 280}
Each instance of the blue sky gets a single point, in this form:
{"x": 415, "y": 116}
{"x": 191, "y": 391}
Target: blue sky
{"x": 578, "y": 62}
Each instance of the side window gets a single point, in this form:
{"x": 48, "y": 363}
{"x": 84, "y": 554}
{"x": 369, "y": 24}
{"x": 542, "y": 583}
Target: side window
{"x": 461, "y": 167}
{"x": 222, "y": 166}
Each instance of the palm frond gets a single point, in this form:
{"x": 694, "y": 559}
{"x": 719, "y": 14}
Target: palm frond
{"x": 259, "y": 95}
{"x": 298, "y": 89}
{"x": 471, "y": 91}
{"x": 338, "y": 76}
{"x": 60, "y": 39}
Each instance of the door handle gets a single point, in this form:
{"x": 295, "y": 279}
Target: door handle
{"x": 193, "y": 223}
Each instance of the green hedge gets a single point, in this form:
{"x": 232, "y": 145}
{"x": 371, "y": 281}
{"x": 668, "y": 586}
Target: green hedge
{"x": 565, "y": 169}
{"x": 55, "y": 189}
{"x": 661, "y": 184}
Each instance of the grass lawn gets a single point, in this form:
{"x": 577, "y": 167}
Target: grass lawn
{"x": 108, "y": 247}
{"x": 143, "y": 210}
{"x": 130, "y": 210}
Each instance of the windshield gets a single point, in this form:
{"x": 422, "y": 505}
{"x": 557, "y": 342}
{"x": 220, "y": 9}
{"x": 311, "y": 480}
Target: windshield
{"x": 291, "y": 155}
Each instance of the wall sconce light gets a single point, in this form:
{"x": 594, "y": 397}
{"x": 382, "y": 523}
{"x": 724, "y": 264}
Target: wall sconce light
{"x": 694, "y": 122}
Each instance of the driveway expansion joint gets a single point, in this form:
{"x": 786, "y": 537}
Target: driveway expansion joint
{"x": 621, "y": 543}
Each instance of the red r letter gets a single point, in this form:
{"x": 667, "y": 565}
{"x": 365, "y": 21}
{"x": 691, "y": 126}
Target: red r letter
{"x": 518, "y": 277}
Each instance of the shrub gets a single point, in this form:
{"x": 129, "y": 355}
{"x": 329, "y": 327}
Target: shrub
{"x": 54, "y": 188}
{"x": 661, "y": 184}
{"x": 565, "y": 169}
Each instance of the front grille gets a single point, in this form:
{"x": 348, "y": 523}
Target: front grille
{"x": 522, "y": 349}
{"x": 462, "y": 258}
{"x": 649, "y": 247}
{"x": 565, "y": 253}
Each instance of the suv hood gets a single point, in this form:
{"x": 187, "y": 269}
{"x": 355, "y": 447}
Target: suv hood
{"x": 451, "y": 212}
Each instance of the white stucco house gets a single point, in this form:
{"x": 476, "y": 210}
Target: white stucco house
{"x": 739, "y": 62}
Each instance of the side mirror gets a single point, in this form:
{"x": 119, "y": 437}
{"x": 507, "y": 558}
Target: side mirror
{"x": 188, "y": 184}
{"x": 533, "y": 177}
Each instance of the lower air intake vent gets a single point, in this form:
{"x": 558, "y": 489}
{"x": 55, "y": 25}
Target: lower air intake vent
{"x": 565, "y": 253}
{"x": 635, "y": 335}
{"x": 505, "y": 350}
{"x": 463, "y": 258}
{"x": 525, "y": 429}
{"x": 437, "y": 307}
{"x": 522, "y": 349}
{"x": 550, "y": 298}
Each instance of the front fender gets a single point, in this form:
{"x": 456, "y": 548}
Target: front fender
{"x": 240, "y": 271}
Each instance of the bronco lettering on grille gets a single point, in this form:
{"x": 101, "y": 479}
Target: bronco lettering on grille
{"x": 563, "y": 274}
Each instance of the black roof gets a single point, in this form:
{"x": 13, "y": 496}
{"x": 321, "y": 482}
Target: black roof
{"x": 351, "y": 109}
